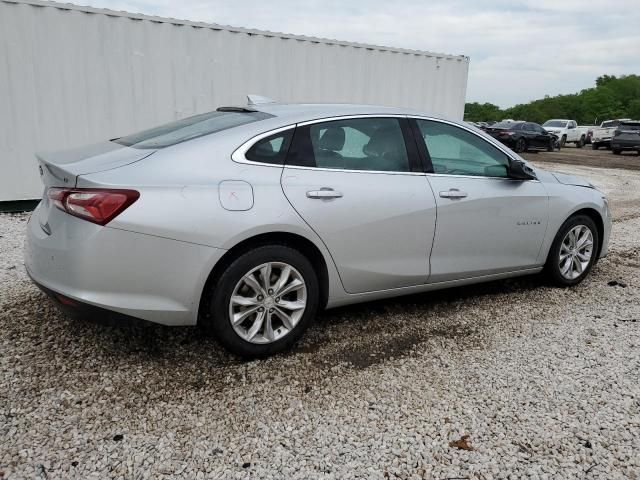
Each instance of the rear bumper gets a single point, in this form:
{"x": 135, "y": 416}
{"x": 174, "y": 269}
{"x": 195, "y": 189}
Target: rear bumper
{"x": 129, "y": 274}
{"x": 84, "y": 311}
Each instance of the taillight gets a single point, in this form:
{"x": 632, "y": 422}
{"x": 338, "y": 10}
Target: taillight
{"x": 95, "y": 205}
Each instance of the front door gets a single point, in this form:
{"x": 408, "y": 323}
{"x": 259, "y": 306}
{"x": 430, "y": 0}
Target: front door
{"x": 356, "y": 182}
{"x": 487, "y": 223}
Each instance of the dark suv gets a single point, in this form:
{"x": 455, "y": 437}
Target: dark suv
{"x": 626, "y": 137}
{"x": 522, "y": 136}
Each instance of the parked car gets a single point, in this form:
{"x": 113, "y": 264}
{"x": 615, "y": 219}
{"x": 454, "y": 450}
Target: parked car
{"x": 247, "y": 221}
{"x": 522, "y": 136}
{"x": 626, "y": 137}
{"x": 567, "y": 131}
{"x": 589, "y": 130}
{"x": 603, "y": 134}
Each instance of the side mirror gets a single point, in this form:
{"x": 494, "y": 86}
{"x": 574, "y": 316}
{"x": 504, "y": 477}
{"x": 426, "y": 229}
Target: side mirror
{"x": 520, "y": 170}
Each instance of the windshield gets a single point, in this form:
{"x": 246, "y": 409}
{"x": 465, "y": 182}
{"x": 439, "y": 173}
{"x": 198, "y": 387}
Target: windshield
{"x": 610, "y": 123}
{"x": 188, "y": 128}
{"x": 555, "y": 123}
{"x": 630, "y": 126}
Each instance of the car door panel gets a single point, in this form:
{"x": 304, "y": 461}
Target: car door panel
{"x": 377, "y": 225}
{"x": 498, "y": 226}
{"x": 379, "y": 232}
{"x": 486, "y": 222}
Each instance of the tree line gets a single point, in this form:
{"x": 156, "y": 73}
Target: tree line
{"x": 612, "y": 97}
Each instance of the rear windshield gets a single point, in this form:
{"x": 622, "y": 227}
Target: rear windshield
{"x": 630, "y": 126}
{"x": 610, "y": 123}
{"x": 555, "y": 123}
{"x": 188, "y": 128}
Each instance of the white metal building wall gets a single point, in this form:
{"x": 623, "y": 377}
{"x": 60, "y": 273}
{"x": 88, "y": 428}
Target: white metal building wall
{"x": 73, "y": 75}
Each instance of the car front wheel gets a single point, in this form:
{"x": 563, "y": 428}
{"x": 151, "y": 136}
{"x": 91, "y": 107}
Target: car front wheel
{"x": 573, "y": 252}
{"x": 263, "y": 301}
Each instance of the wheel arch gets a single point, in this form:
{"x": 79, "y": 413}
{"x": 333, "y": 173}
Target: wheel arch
{"x": 294, "y": 240}
{"x": 594, "y": 215}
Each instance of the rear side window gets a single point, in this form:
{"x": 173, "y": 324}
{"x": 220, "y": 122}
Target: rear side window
{"x": 272, "y": 149}
{"x": 189, "y": 128}
{"x": 369, "y": 144}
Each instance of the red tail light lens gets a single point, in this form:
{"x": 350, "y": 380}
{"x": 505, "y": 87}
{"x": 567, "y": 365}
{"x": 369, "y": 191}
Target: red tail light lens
{"x": 94, "y": 205}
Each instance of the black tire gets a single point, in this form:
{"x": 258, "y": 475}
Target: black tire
{"x": 552, "y": 267}
{"x": 595, "y": 146}
{"x": 521, "y": 145}
{"x": 551, "y": 145}
{"x": 217, "y": 321}
{"x": 563, "y": 141}
{"x": 580, "y": 143}
{"x": 616, "y": 151}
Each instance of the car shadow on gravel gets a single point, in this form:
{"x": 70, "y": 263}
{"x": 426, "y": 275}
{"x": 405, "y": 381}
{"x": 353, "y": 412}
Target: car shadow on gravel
{"x": 383, "y": 330}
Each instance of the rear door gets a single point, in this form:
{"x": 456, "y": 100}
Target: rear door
{"x": 358, "y": 184}
{"x": 487, "y": 222}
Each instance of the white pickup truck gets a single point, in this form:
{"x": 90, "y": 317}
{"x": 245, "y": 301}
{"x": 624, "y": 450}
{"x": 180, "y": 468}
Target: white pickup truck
{"x": 603, "y": 134}
{"x": 567, "y": 131}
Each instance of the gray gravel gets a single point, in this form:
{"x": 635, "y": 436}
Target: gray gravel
{"x": 529, "y": 381}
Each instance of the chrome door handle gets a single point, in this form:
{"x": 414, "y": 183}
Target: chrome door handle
{"x": 324, "y": 193}
{"x": 453, "y": 193}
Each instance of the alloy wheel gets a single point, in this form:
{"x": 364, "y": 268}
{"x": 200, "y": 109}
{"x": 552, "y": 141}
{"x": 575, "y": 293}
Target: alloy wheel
{"x": 576, "y": 251}
{"x": 268, "y": 302}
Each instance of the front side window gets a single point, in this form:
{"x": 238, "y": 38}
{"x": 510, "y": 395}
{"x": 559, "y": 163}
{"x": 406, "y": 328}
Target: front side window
{"x": 371, "y": 144}
{"x": 455, "y": 151}
{"x": 272, "y": 149}
{"x": 189, "y": 128}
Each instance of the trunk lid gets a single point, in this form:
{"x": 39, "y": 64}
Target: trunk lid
{"x": 61, "y": 169}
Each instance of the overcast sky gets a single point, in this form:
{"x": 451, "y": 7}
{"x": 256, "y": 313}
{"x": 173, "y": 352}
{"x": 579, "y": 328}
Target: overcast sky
{"x": 520, "y": 49}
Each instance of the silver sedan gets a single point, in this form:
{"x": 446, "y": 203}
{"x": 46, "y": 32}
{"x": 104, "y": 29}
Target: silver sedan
{"x": 247, "y": 221}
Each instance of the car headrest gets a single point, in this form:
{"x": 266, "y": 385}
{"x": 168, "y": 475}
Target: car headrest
{"x": 383, "y": 141}
{"x": 332, "y": 139}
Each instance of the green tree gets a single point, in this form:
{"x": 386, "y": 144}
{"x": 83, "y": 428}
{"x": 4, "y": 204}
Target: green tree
{"x": 612, "y": 97}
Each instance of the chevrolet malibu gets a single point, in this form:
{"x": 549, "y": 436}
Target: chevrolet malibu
{"x": 248, "y": 220}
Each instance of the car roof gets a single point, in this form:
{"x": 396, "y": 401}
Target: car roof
{"x": 289, "y": 114}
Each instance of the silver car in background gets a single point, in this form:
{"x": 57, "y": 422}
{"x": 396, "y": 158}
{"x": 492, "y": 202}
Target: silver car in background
{"x": 247, "y": 221}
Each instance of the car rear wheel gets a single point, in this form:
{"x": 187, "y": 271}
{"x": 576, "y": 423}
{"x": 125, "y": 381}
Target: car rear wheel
{"x": 563, "y": 141}
{"x": 580, "y": 143}
{"x": 573, "y": 252}
{"x": 263, "y": 301}
{"x": 595, "y": 146}
{"x": 521, "y": 145}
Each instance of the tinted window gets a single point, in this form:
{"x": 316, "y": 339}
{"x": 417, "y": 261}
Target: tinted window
{"x": 189, "y": 128}
{"x": 374, "y": 144}
{"x": 271, "y": 149}
{"x": 629, "y": 126}
{"x": 455, "y": 151}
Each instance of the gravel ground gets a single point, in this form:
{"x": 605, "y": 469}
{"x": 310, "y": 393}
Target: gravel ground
{"x": 509, "y": 379}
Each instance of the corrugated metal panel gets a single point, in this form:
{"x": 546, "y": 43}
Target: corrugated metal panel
{"x": 73, "y": 75}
